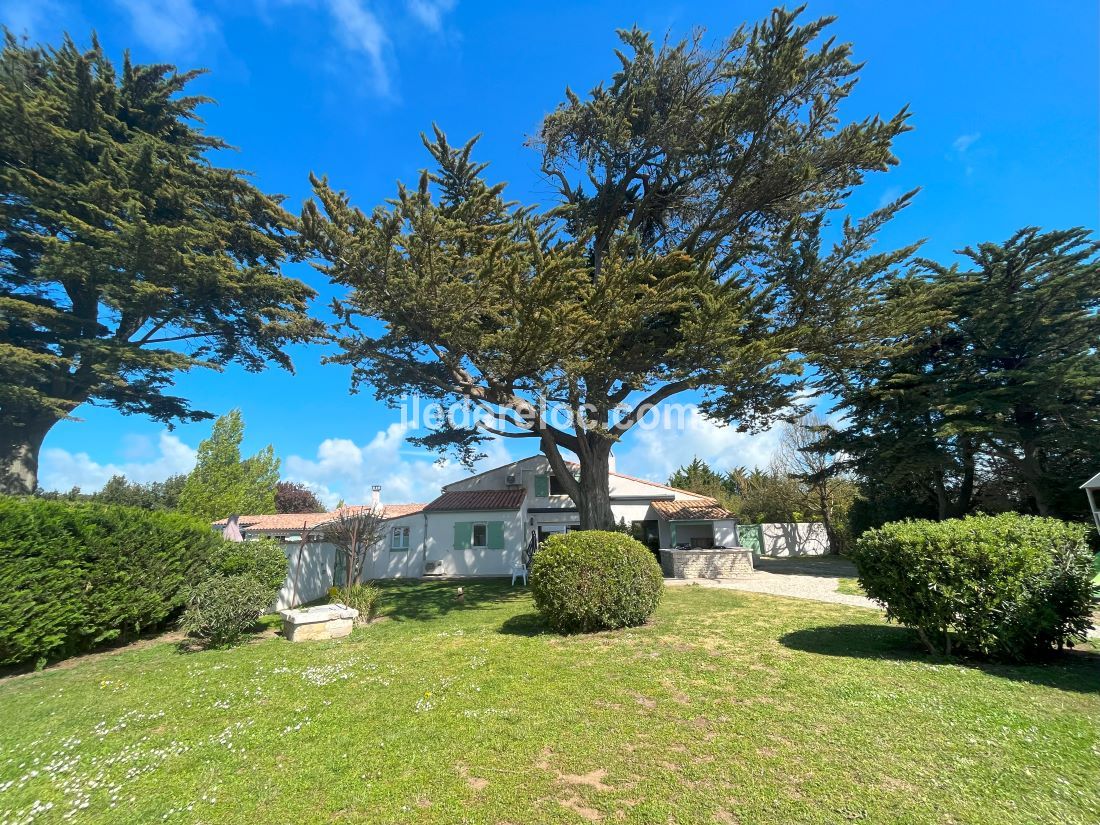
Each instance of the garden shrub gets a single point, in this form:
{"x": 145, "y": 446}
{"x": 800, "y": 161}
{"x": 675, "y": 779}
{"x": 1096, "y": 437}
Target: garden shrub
{"x": 363, "y": 597}
{"x": 593, "y": 580}
{"x": 264, "y": 559}
{"x": 1007, "y": 586}
{"x": 222, "y": 608}
{"x": 76, "y": 576}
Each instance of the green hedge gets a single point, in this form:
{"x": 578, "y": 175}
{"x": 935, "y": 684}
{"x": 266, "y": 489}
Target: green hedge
{"x": 1008, "y": 586}
{"x": 75, "y": 576}
{"x": 594, "y": 580}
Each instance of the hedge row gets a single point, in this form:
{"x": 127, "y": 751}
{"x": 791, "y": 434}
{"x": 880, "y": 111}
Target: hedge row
{"x": 75, "y": 576}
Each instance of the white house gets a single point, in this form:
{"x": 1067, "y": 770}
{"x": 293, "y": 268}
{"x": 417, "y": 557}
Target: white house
{"x": 481, "y": 525}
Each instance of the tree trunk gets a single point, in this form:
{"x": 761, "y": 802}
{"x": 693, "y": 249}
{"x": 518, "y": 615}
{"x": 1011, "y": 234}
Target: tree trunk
{"x": 595, "y": 481}
{"x": 19, "y": 448}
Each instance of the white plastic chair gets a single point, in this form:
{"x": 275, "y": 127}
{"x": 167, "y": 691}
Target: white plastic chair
{"x": 520, "y": 570}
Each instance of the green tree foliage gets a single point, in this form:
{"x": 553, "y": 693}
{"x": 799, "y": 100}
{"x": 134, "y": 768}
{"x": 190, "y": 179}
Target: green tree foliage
{"x": 998, "y": 405}
{"x": 126, "y": 254}
{"x": 224, "y": 484}
{"x": 156, "y": 495}
{"x": 291, "y": 497}
{"x": 75, "y": 576}
{"x": 784, "y": 492}
{"x": 698, "y": 477}
{"x": 684, "y": 252}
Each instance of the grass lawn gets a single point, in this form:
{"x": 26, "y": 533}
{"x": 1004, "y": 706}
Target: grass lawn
{"x": 730, "y": 707}
{"x": 849, "y": 585}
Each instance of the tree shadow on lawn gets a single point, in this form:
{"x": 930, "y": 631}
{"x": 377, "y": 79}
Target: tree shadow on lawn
{"x": 426, "y": 600}
{"x": 1075, "y": 670}
{"x": 830, "y": 566}
{"x": 525, "y": 624}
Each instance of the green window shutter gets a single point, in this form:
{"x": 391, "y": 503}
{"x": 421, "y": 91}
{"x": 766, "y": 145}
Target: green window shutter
{"x": 542, "y": 486}
{"x": 495, "y": 534}
{"x": 464, "y": 531}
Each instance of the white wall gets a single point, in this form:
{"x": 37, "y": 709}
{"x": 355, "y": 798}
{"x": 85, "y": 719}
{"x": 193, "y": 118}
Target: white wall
{"x": 314, "y": 574}
{"x": 725, "y": 533}
{"x": 385, "y": 563}
{"x": 801, "y": 539}
{"x": 439, "y": 544}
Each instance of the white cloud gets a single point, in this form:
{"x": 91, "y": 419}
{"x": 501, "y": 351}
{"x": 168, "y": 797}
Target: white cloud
{"x": 964, "y": 142}
{"x": 656, "y": 453}
{"x": 358, "y": 29}
{"x": 430, "y": 12}
{"x": 344, "y": 469}
{"x": 27, "y": 17}
{"x": 60, "y": 469}
{"x": 169, "y": 26}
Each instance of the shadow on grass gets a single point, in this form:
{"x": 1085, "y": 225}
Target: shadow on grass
{"x": 826, "y": 566}
{"x": 1077, "y": 671}
{"x": 426, "y": 600}
{"x": 524, "y": 624}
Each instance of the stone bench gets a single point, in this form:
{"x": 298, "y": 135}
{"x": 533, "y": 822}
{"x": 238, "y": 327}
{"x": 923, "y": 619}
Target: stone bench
{"x": 699, "y": 563}
{"x": 324, "y": 621}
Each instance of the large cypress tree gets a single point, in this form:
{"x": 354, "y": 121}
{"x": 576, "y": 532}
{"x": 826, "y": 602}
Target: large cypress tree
{"x": 126, "y": 254}
{"x": 1002, "y": 393}
{"x": 684, "y": 253}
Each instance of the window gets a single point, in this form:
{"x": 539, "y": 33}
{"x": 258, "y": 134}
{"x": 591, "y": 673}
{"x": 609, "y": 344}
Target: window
{"x": 480, "y": 535}
{"x": 399, "y": 538}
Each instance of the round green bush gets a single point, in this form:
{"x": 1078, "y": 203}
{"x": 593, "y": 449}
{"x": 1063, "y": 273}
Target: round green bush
{"x": 593, "y": 580}
{"x": 76, "y": 576}
{"x": 1007, "y": 586}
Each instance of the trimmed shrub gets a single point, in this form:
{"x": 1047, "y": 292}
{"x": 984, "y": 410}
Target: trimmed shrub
{"x": 76, "y": 576}
{"x": 264, "y": 559}
{"x": 363, "y": 597}
{"x": 594, "y": 580}
{"x": 221, "y": 609}
{"x": 1007, "y": 586}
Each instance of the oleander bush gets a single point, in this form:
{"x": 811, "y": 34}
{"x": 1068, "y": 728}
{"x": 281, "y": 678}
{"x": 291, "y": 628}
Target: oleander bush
{"x": 77, "y": 576}
{"x": 221, "y": 609}
{"x": 362, "y": 596}
{"x": 1006, "y": 586}
{"x": 594, "y": 580}
{"x": 264, "y": 559}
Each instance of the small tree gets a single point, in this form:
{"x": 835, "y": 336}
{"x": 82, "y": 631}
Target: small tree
{"x": 291, "y": 497}
{"x": 804, "y": 455}
{"x": 222, "y": 483}
{"x": 353, "y": 531}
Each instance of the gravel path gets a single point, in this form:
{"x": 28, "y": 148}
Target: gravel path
{"x": 798, "y": 578}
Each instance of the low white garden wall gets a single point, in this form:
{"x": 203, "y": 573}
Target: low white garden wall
{"x": 804, "y": 538}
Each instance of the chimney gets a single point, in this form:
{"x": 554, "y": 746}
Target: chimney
{"x": 611, "y": 461}
{"x": 375, "y": 497}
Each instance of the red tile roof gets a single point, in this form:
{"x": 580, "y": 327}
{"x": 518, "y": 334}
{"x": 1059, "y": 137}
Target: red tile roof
{"x": 704, "y": 509}
{"x": 278, "y": 521}
{"x": 479, "y": 500}
{"x": 293, "y": 522}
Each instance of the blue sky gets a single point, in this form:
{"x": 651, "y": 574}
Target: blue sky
{"x": 1005, "y": 108}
